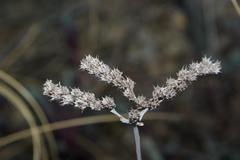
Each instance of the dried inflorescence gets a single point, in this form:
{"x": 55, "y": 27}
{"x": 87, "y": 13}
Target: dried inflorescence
{"x": 94, "y": 66}
{"x": 76, "y": 97}
{"x": 105, "y": 73}
{"x": 184, "y": 77}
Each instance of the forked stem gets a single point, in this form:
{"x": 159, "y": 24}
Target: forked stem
{"x": 137, "y": 142}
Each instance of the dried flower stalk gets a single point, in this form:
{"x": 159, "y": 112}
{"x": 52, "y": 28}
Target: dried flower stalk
{"x": 115, "y": 77}
{"x": 184, "y": 77}
{"x": 94, "y": 66}
{"x": 105, "y": 73}
{"x": 76, "y": 97}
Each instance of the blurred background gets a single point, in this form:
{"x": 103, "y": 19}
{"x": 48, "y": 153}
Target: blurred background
{"x": 149, "y": 41}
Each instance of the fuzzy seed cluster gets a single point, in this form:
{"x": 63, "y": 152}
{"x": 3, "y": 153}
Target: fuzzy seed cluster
{"x": 76, "y": 97}
{"x": 115, "y": 77}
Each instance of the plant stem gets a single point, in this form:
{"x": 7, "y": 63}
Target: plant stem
{"x": 137, "y": 142}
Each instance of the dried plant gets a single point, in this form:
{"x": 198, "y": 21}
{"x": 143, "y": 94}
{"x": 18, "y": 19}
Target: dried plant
{"x": 76, "y": 97}
{"x": 115, "y": 77}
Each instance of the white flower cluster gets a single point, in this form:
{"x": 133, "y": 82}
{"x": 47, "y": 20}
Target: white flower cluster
{"x": 185, "y": 76}
{"x": 76, "y": 97}
{"x": 94, "y": 66}
{"x": 105, "y": 73}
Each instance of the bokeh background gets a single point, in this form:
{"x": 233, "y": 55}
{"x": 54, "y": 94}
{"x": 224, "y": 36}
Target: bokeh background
{"x": 149, "y": 41}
